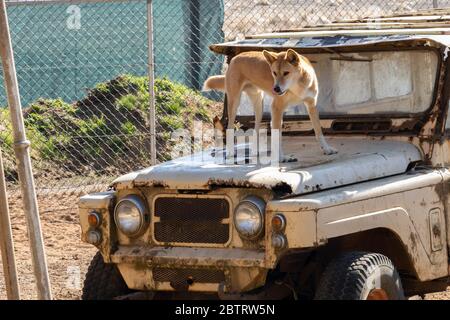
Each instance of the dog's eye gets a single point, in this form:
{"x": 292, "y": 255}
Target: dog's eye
{"x": 286, "y": 73}
{"x": 274, "y": 73}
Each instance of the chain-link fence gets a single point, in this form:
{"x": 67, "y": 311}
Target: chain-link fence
{"x": 83, "y": 74}
{"x": 255, "y": 16}
{"x": 83, "y": 66}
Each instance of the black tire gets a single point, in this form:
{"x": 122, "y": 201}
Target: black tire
{"x": 103, "y": 281}
{"x": 353, "y": 275}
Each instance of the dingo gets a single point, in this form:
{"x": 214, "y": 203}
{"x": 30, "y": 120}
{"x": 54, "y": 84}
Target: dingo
{"x": 287, "y": 76}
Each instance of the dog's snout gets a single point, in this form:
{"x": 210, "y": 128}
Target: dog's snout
{"x": 277, "y": 89}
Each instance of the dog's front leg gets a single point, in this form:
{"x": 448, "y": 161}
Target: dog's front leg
{"x": 310, "y": 104}
{"x": 277, "y": 124}
{"x": 256, "y": 97}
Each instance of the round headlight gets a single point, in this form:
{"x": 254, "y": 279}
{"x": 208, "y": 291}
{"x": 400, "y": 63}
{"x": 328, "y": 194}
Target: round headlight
{"x": 129, "y": 215}
{"x": 249, "y": 217}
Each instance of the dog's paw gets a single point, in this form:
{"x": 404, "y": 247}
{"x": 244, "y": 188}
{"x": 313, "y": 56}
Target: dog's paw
{"x": 329, "y": 150}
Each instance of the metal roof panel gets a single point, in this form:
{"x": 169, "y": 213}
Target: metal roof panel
{"x": 328, "y": 42}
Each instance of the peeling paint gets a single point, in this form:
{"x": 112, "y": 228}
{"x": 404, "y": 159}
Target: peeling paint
{"x": 358, "y": 160}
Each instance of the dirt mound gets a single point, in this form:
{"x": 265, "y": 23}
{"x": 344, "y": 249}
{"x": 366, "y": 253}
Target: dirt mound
{"x": 108, "y": 131}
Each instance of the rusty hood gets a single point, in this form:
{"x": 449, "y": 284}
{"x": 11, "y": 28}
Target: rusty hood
{"x": 357, "y": 160}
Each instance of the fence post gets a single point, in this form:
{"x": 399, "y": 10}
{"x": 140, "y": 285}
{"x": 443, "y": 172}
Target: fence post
{"x": 151, "y": 83}
{"x": 6, "y": 241}
{"x": 21, "y": 149}
{"x": 194, "y": 43}
{"x": 435, "y": 4}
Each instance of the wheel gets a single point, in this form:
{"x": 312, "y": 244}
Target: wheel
{"x": 360, "y": 276}
{"x": 103, "y": 281}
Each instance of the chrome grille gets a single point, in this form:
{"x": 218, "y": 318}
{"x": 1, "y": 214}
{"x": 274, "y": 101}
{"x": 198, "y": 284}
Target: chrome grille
{"x": 191, "y": 220}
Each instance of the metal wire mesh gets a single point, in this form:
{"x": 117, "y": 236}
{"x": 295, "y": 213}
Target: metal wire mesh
{"x": 83, "y": 73}
{"x": 191, "y": 220}
{"x": 73, "y": 63}
{"x": 255, "y": 16}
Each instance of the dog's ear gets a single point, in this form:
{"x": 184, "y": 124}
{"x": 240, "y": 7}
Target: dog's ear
{"x": 270, "y": 56}
{"x": 292, "y": 57}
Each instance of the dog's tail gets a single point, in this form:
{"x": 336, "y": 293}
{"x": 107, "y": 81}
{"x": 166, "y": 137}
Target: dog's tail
{"x": 214, "y": 83}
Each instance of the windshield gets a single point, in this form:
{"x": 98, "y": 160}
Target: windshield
{"x": 362, "y": 83}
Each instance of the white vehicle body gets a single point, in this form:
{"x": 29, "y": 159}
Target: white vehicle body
{"x": 386, "y": 190}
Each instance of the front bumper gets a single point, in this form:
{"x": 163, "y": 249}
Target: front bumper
{"x": 243, "y": 270}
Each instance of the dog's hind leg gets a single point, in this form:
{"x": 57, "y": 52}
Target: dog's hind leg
{"x": 256, "y": 97}
{"x": 278, "y": 106}
{"x": 233, "y": 89}
{"x": 310, "y": 104}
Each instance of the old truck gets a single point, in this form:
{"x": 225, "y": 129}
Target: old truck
{"x": 368, "y": 223}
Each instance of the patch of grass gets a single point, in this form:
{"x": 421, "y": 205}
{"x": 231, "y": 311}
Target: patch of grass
{"x": 94, "y": 127}
{"x": 6, "y": 138}
{"x": 128, "y": 128}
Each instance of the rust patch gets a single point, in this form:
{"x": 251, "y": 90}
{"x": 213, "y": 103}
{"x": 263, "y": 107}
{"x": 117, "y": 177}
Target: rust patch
{"x": 409, "y": 125}
{"x": 316, "y": 187}
{"x": 413, "y": 245}
{"x": 442, "y": 190}
{"x": 231, "y": 183}
{"x": 436, "y": 230}
{"x": 151, "y": 183}
{"x": 281, "y": 188}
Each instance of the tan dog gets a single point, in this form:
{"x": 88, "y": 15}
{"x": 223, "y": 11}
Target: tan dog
{"x": 287, "y": 76}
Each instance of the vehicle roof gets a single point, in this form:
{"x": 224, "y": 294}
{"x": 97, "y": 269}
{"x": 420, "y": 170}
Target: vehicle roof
{"x": 421, "y": 28}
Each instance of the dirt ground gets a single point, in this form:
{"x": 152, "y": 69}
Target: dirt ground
{"x": 68, "y": 258}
